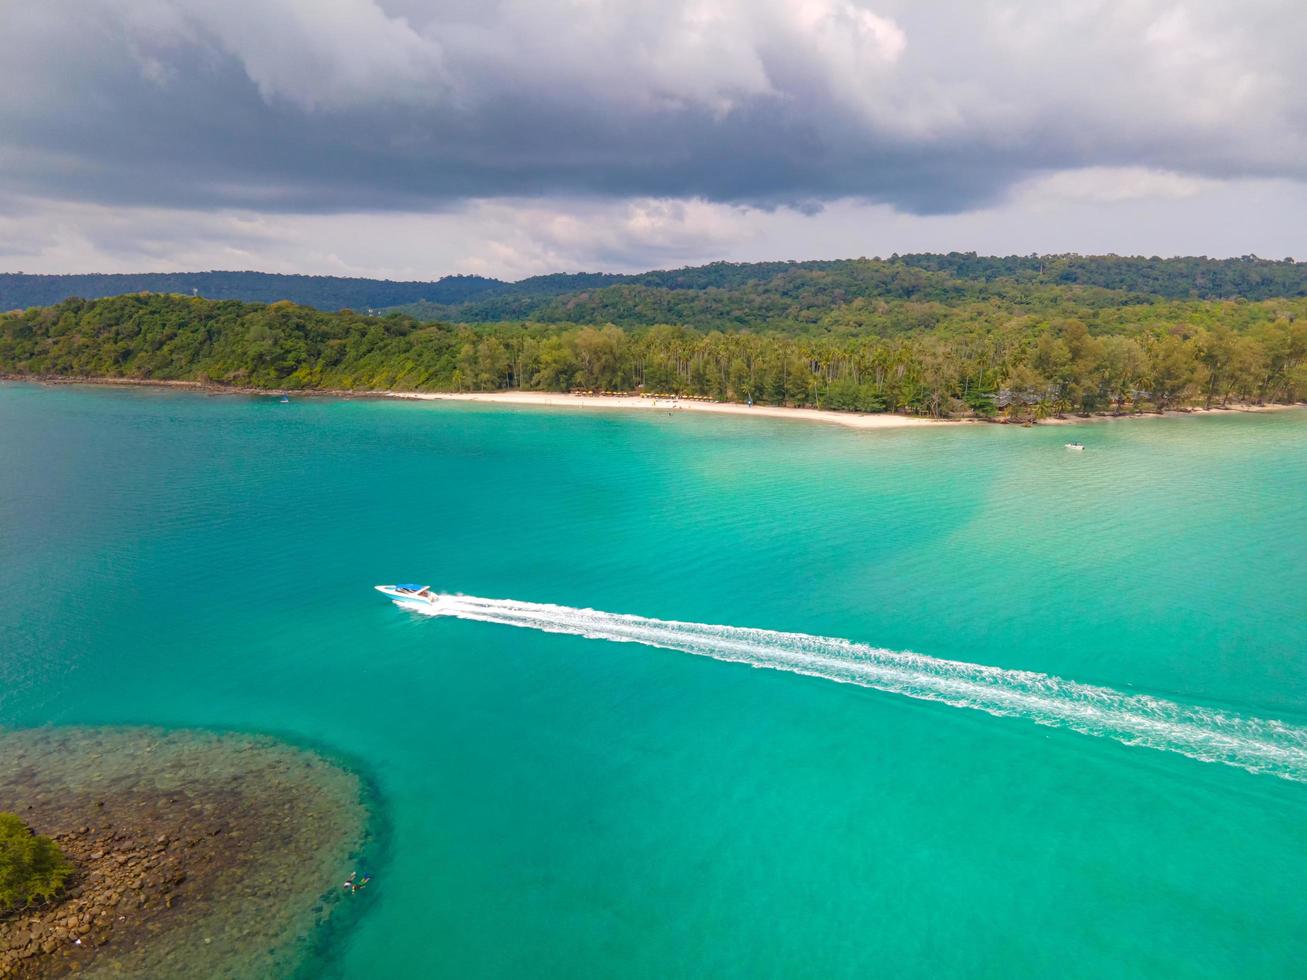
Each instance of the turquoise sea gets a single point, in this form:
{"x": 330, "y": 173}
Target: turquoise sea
{"x": 563, "y": 806}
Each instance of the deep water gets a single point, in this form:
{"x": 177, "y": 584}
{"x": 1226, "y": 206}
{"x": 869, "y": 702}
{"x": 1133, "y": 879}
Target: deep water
{"x": 560, "y": 806}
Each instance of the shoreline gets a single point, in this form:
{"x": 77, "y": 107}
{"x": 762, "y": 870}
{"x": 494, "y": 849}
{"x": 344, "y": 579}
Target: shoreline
{"x": 855, "y": 420}
{"x": 647, "y": 403}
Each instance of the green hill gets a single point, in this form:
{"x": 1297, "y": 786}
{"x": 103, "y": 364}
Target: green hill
{"x": 734, "y": 295}
{"x": 721, "y": 294}
{"x": 19, "y": 291}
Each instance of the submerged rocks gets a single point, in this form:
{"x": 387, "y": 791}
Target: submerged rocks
{"x": 196, "y": 854}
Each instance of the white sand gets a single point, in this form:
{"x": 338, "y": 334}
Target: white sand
{"x": 544, "y": 399}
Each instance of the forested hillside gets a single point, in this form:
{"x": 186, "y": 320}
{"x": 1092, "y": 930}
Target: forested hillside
{"x": 1179, "y": 278}
{"x": 730, "y": 295}
{"x": 19, "y": 291}
{"x": 881, "y": 296}
{"x": 1027, "y": 352}
{"x": 733, "y": 294}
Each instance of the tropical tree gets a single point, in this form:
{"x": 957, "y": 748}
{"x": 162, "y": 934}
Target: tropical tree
{"x": 32, "y": 868}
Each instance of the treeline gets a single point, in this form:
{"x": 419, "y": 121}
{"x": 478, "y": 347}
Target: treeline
{"x": 1190, "y": 277}
{"x": 983, "y": 359}
{"x": 790, "y": 295}
{"x": 721, "y": 295}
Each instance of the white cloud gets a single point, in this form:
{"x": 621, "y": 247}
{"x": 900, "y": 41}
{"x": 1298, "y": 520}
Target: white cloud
{"x": 523, "y": 237}
{"x": 683, "y": 52}
{"x": 1113, "y": 184}
{"x": 513, "y": 238}
{"x": 855, "y": 48}
{"x": 313, "y": 53}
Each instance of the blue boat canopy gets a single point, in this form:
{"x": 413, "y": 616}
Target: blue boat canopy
{"x": 410, "y": 588}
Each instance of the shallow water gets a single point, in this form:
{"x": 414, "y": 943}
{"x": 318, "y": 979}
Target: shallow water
{"x": 562, "y": 806}
{"x": 293, "y": 820}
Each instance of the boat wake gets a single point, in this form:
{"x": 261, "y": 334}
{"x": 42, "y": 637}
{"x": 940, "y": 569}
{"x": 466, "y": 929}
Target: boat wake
{"x": 1254, "y": 744}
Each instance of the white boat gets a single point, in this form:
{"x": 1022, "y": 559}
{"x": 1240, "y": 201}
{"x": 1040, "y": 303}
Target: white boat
{"x": 409, "y": 593}
{"x": 1078, "y": 447}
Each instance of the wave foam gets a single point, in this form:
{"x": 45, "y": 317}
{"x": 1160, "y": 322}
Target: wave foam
{"x": 1254, "y": 744}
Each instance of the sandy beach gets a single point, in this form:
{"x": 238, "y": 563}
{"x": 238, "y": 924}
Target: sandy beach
{"x": 853, "y": 420}
{"x": 542, "y": 399}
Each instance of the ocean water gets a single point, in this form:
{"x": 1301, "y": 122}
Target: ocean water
{"x": 559, "y": 804}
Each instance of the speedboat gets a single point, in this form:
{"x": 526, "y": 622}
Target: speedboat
{"x": 409, "y": 593}
{"x": 1078, "y": 447}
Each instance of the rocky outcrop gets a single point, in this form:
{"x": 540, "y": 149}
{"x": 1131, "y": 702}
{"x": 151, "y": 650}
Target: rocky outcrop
{"x": 195, "y": 854}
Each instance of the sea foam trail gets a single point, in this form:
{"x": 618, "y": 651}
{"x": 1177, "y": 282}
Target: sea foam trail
{"x": 1254, "y": 744}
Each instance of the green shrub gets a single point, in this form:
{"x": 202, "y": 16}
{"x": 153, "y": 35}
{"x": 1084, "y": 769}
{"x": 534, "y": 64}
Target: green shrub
{"x": 32, "y": 868}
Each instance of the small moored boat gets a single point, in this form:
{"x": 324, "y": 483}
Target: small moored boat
{"x": 1078, "y": 447}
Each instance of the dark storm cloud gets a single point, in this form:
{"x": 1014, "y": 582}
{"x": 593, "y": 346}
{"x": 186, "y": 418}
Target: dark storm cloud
{"x": 297, "y": 106}
{"x": 211, "y": 139}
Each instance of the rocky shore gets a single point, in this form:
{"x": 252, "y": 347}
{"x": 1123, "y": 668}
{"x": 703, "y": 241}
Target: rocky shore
{"x": 196, "y": 854}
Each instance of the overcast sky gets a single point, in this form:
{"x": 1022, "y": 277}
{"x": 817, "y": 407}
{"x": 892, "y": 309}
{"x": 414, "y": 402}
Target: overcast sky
{"x": 415, "y": 138}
